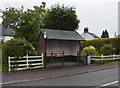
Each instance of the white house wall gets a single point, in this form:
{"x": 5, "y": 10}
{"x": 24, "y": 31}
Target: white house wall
{"x": 119, "y": 18}
{"x": 87, "y": 36}
{"x": 69, "y": 47}
{"x": 6, "y": 38}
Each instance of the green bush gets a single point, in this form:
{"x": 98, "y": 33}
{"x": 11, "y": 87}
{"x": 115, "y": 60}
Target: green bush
{"x": 98, "y": 43}
{"x": 107, "y": 49}
{"x": 90, "y": 50}
{"x": 15, "y": 48}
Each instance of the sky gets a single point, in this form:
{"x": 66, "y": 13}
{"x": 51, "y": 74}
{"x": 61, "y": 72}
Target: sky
{"x": 97, "y": 15}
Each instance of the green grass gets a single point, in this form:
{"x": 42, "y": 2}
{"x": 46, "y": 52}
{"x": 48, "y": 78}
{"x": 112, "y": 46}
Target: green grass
{"x": 106, "y": 62}
{"x": 111, "y": 62}
{"x": 0, "y": 67}
{"x": 0, "y": 58}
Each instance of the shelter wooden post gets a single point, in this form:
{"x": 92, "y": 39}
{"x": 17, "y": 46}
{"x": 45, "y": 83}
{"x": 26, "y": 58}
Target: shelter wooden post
{"x": 45, "y": 54}
{"x": 63, "y": 59}
{"x": 78, "y": 56}
{"x": 51, "y": 59}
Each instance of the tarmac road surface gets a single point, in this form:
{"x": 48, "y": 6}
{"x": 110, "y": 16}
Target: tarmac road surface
{"x": 108, "y": 77}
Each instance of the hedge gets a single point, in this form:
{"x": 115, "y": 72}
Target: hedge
{"x": 98, "y": 43}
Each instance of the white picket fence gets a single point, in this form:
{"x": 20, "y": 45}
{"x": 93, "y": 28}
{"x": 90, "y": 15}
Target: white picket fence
{"x": 25, "y": 62}
{"x": 103, "y": 58}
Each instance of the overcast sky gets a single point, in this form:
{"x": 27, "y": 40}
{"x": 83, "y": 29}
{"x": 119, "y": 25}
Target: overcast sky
{"x": 97, "y": 15}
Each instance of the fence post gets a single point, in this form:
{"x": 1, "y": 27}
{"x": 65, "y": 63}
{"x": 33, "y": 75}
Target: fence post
{"x": 89, "y": 60}
{"x": 9, "y": 64}
{"x": 102, "y": 59}
{"x": 114, "y": 56}
{"x": 42, "y": 60}
{"x": 27, "y": 60}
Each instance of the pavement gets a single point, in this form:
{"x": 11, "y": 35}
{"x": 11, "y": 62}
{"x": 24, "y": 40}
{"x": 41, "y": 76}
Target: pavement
{"x": 45, "y": 73}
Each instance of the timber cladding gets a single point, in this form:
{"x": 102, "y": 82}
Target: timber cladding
{"x": 41, "y": 43}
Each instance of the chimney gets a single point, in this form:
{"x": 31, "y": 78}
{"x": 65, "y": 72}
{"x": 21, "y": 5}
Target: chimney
{"x": 86, "y": 30}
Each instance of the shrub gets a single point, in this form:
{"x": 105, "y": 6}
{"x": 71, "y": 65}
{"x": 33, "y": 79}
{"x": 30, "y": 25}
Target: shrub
{"x": 107, "y": 49}
{"x": 16, "y": 48}
{"x": 90, "y": 50}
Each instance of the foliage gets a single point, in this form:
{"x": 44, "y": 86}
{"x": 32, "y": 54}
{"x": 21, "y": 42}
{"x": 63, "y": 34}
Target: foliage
{"x": 98, "y": 43}
{"x": 30, "y": 65}
{"x": 105, "y": 34}
{"x": 26, "y": 24}
{"x": 16, "y": 48}
{"x": 90, "y": 50}
{"x": 107, "y": 49}
{"x": 61, "y": 18}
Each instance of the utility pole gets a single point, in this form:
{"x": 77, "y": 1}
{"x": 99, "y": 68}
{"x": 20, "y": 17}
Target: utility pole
{"x": 115, "y": 35}
{"x": 1, "y": 15}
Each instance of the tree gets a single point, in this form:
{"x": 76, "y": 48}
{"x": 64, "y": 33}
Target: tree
{"x": 107, "y": 49}
{"x": 105, "y": 34}
{"x": 61, "y": 18}
{"x": 26, "y": 24}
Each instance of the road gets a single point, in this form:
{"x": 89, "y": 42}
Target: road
{"x": 108, "y": 77}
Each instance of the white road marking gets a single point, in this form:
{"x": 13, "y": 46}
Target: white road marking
{"x": 109, "y": 83}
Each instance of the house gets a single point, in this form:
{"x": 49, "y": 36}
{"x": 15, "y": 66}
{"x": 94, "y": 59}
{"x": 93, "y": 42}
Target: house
{"x": 6, "y": 33}
{"x": 0, "y": 33}
{"x": 119, "y": 18}
{"x": 118, "y": 36}
{"x": 58, "y": 41}
{"x": 88, "y": 35}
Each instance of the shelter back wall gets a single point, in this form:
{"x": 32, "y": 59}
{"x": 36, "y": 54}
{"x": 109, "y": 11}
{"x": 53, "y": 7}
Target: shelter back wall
{"x": 69, "y": 47}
